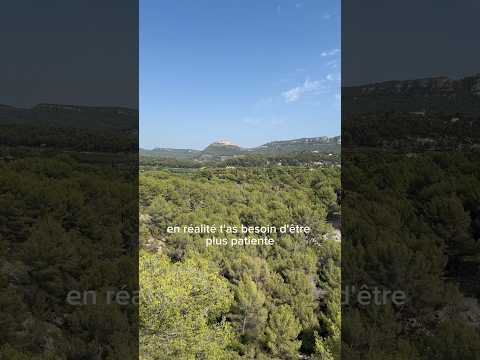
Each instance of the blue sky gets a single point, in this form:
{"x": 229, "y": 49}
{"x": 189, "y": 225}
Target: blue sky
{"x": 249, "y": 71}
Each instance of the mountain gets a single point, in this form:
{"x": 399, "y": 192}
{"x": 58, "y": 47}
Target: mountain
{"x": 220, "y": 149}
{"x": 223, "y": 149}
{"x": 70, "y": 127}
{"x": 71, "y": 116}
{"x": 432, "y": 114}
{"x": 316, "y": 144}
{"x": 438, "y": 94}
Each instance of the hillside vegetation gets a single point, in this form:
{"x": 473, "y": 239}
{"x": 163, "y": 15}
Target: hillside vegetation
{"x": 411, "y": 219}
{"x": 229, "y": 302}
{"x": 223, "y": 150}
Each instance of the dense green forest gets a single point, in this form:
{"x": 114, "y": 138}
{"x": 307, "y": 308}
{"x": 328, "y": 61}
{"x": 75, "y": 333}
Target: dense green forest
{"x": 68, "y": 228}
{"x": 411, "y": 223}
{"x": 76, "y": 128}
{"x": 411, "y": 218}
{"x": 67, "y": 222}
{"x": 228, "y": 302}
{"x": 305, "y": 158}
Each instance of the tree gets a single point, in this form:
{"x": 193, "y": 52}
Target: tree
{"x": 182, "y": 308}
{"x": 322, "y": 350}
{"x": 249, "y": 313}
{"x": 282, "y": 332}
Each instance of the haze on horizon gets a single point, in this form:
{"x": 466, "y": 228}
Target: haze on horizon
{"x": 246, "y": 71}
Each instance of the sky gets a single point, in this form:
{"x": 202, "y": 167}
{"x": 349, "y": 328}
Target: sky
{"x": 409, "y": 39}
{"x": 81, "y": 52}
{"x": 247, "y": 71}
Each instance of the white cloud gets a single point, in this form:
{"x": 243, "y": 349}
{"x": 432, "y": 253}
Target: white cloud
{"x": 293, "y": 95}
{"x": 333, "y": 64}
{"x": 298, "y": 92}
{"x": 333, "y": 77}
{"x": 330, "y": 52}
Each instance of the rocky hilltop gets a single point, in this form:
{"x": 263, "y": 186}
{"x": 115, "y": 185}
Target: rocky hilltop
{"x": 224, "y": 149}
{"x": 220, "y": 148}
{"x": 433, "y": 114}
{"x": 438, "y": 94}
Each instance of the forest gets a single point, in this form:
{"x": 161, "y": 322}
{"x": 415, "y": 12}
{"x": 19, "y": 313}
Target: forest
{"x": 68, "y": 225}
{"x": 67, "y": 222}
{"x": 250, "y": 302}
{"x": 303, "y": 158}
{"x": 411, "y": 223}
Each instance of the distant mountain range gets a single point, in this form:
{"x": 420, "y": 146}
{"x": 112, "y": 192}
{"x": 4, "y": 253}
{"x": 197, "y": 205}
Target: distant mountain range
{"x": 316, "y": 144}
{"x": 432, "y": 114}
{"x": 437, "y": 94}
{"x": 70, "y": 127}
{"x": 70, "y": 116}
{"x": 222, "y": 149}
{"x": 51, "y": 125}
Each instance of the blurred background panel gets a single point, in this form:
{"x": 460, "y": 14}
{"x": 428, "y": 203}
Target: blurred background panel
{"x": 410, "y": 160}
{"x": 69, "y": 180}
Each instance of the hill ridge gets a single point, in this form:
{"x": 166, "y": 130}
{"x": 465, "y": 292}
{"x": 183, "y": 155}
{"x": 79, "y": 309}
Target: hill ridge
{"x": 222, "y": 149}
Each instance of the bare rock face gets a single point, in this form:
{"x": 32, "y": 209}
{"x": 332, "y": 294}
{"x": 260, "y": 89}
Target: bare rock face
{"x": 224, "y": 143}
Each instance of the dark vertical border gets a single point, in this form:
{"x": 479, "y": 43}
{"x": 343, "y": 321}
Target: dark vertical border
{"x": 411, "y": 134}
{"x": 69, "y": 180}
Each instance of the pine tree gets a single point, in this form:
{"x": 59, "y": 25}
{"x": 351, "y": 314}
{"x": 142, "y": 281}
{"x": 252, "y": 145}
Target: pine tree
{"x": 249, "y": 312}
{"x": 282, "y": 332}
{"x": 322, "y": 350}
{"x": 181, "y": 310}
